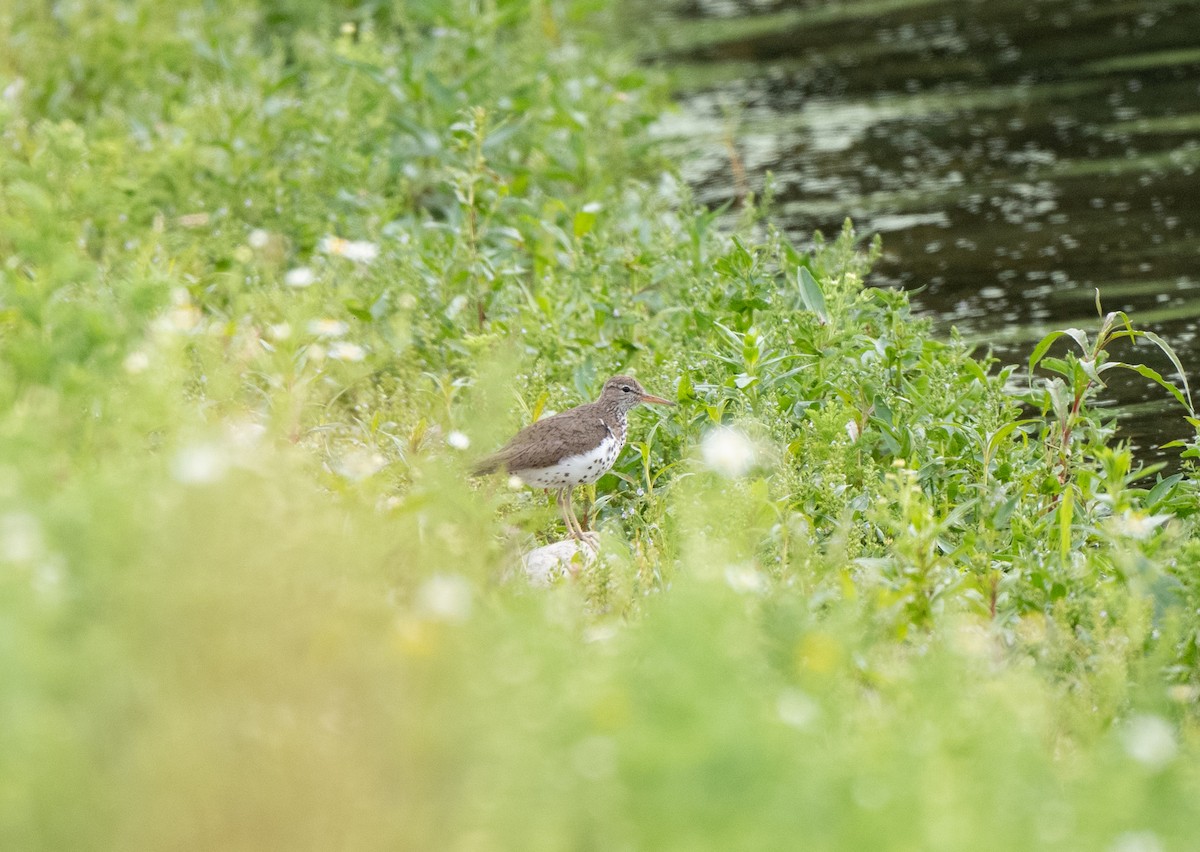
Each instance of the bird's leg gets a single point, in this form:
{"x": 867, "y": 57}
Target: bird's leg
{"x": 569, "y": 515}
{"x": 586, "y": 525}
{"x": 561, "y": 499}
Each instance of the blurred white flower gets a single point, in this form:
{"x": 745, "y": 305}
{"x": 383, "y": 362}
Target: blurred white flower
{"x": 446, "y": 597}
{"x": 458, "y": 440}
{"x": 181, "y": 318}
{"x": 20, "y": 537}
{"x": 345, "y": 351}
{"x": 245, "y": 434}
{"x": 852, "y": 429}
{"x": 1183, "y": 693}
{"x": 1150, "y": 740}
{"x": 301, "y": 276}
{"x": 456, "y": 305}
{"x": 279, "y": 331}
{"x": 315, "y": 353}
{"x": 49, "y": 576}
{"x": 797, "y": 708}
{"x": 357, "y": 465}
{"x": 360, "y": 251}
{"x": 1137, "y": 525}
{"x": 728, "y": 451}
{"x": 14, "y": 89}
{"x": 327, "y": 327}
{"x": 515, "y": 483}
{"x": 599, "y": 632}
{"x": 199, "y": 464}
{"x": 746, "y": 579}
{"x": 1137, "y": 841}
{"x": 595, "y": 757}
{"x": 258, "y": 238}
{"x": 136, "y": 362}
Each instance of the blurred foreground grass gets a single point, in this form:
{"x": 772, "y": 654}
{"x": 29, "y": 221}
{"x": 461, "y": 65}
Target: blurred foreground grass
{"x": 266, "y": 268}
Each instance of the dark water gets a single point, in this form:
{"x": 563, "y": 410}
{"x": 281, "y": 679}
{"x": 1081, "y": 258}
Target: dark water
{"x": 1014, "y": 155}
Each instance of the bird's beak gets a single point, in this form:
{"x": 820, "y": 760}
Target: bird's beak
{"x": 655, "y": 400}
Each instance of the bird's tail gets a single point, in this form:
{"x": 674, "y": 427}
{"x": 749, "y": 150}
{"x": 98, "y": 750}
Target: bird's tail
{"x": 488, "y": 464}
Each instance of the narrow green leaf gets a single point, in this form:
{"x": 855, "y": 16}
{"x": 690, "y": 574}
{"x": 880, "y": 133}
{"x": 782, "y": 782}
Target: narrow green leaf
{"x": 1155, "y": 376}
{"x": 1170, "y": 353}
{"x": 1066, "y": 511}
{"x": 1161, "y": 490}
{"x": 811, "y": 293}
{"x": 1040, "y": 350}
{"x": 993, "y": 442}
{"x": 1079, "y": 336}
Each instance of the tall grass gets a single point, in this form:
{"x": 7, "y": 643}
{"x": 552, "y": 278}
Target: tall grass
{"x": 260, "y": 261}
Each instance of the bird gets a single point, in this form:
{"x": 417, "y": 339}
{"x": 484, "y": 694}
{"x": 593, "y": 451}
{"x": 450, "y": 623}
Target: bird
{"x": 575, "y": 447}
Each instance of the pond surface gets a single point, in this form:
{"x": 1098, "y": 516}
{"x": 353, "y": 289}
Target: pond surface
{"x": 1014, "y": 154}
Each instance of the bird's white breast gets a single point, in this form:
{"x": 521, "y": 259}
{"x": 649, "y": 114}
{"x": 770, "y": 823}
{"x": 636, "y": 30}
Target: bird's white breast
{"x": 575, "y": 470}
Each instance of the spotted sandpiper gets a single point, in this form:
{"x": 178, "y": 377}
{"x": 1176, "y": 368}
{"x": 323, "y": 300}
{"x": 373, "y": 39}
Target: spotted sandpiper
{"x": 573, "y": 448}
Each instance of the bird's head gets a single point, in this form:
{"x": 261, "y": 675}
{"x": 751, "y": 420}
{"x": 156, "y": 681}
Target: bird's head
{"x": 624, "y": 392}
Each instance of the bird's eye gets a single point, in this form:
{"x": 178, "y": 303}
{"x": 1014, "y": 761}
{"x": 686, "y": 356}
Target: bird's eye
{"x": 627, "y": 388}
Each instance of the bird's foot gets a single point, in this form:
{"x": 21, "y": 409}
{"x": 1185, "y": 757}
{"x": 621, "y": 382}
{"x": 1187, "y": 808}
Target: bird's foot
{"x": 589, "y": 539}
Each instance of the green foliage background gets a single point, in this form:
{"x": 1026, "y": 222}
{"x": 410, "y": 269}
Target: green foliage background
{"x": 249, "y": 599}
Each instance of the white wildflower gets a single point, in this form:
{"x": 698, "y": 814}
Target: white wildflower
{"x": 342, "y": 350}
{"x": 258, "y": 239}
{"x": 245, "y": 434}
{"x": 728, "y": 451}
{"x": 20, "y": 537}
{"x": 455, "y": 307}
{"x": 797, "y": 708}
{"x": 515, "y": 483}
{"x": 852, "y": 430}
{"x": 181, "y": 318}
{"x": 745, "y": 579}
{"x": 1137, "y": 841}
{"x": 301, "y": 276}
{"x": 327, "y": 327}
{"x": 49, "y": 576}
{"x": 458, "y": 440}
{"x": 359, "y": 251}
{"x": 595, "y": 757}
{"x": 1150, "y": 740}
{"x": 357, "y": 465}
{"x": 446, "y": 597}
{"x": 14, "y": 89}
{"x": 279, "y": 331}
{"x": 1137, "y": 525}
{"x": 1184, "y": 693}
{"x": 136, "y": 362}
{"x": 199, "y": 464}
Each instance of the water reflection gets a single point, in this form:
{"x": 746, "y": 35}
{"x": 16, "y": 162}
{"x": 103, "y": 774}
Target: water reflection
{"x": 1015, "y": 155}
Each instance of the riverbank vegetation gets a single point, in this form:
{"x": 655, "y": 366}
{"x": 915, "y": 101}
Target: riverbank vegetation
{"x": 273, "y": 274}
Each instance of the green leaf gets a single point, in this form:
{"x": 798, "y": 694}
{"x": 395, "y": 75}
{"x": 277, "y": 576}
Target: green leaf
{"x": 1156, "y": 377}
{"x": 812, "y": 295}
{"x": 993, "y": 442}
{"x": 1066, "y": 511}
{"x": 1161, "y": 490}
{"x": 584, "y": 220}
{"x": 1170, "y": 353}
{"x": 1040, "y": 350}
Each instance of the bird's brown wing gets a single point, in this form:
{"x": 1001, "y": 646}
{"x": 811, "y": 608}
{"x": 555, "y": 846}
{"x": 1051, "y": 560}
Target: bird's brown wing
{"x": 545, "y": 442}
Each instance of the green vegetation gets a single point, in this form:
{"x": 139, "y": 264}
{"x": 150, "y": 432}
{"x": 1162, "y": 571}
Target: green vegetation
{"x": 259, "y": 262}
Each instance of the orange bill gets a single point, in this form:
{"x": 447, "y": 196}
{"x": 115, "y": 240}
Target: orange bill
{"x": 656, "y": 400}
